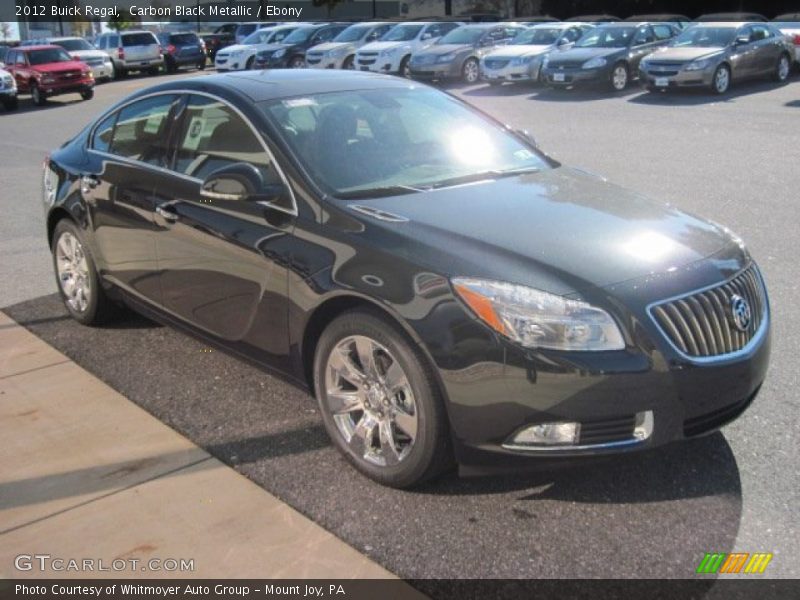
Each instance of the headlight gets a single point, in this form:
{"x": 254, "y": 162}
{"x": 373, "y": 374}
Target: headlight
{"x": 279, "y": 53}
{"x": 537, "y": 319}
{"x": 595, "y": 63}
{"x": 444, "y": 58}
{"x": 237, "y": 52}
{"x": 48, "y": 78}
{"x": 521, "y": 60}
{"x": 697, "y": 65}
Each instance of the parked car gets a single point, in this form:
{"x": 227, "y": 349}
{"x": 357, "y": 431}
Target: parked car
{"x": 732, "y": 17}
{"x": 132, "y": 50}
{"x": 682, "y": 21}
{"x": 789, "y": 24}
{"x": 340, "y": 53}
{"x": 245, "y": 29}
{"x": 458, "y": 54}
{"x": 3, "y": 51}
{"x": 47, "y": 70}
{"x": 608, "y": 54}
{"x": 182, "y": 49}
{"x": 291, "y": 52}
{"x": 714, "y": 55}
{"x": 243, "y": 56}
{"x": 433, "y": 320}
{"x": 392, "y": 53}
{"x": 81, "y": 50}
{"x": 521, "y": 59}
{"x": 8, "y": 90}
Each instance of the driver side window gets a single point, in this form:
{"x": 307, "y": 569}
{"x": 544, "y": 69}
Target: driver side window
{"x": 643, "y": 36}
{"x": 214, "y": 136}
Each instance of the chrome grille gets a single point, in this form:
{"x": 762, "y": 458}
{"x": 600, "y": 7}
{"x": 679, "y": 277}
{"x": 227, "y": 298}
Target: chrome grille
{"x": 702, "y": 324}
{"x": 496, "y": 63}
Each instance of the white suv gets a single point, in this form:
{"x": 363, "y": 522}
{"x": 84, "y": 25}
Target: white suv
{"x": 392, "y": 52}
{"x": 79, "y": 48}
{"x": 132, "y": 51}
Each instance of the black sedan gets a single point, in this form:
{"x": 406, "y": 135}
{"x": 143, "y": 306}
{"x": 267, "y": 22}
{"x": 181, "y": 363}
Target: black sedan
{"x": 607, "y": 55}
{"x": 443, "y": 288}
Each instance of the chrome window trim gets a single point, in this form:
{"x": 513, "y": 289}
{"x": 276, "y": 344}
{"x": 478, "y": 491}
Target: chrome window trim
{"x": 179, "y": 92}
{"x": 745, "y": 350}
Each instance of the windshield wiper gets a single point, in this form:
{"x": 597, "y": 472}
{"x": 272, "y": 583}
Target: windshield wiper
{"x": 480, "y": 176}
{"x": 379, "y": 192}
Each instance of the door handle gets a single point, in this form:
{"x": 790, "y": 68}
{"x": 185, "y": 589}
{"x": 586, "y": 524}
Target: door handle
{"x": 89, "y": 182}
{"x": 167, "y": 214}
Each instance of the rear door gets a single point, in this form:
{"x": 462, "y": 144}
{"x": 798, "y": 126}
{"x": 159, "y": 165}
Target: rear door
{"x": 222, "y": 262}
{"x": 127, "y": 150}
{"x": 768, "y": 50}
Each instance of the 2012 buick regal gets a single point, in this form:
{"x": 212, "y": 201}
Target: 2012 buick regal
{"x": 444, "y": 289}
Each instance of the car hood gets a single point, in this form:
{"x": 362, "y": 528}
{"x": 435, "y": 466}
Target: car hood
{"x": 583, "y": 54}
{"x": 442, "y": 49}
{"x": 272, "y": 47}
{"x": 684, "y": 54}
{"x": 561, "y": 228}
{"x": 519, "y": 50}
{"x": 245, "y": 47}
{"x": 86, "y": 54}
{"x": 59, "y": 67}
{"x": 378, "y": 46}
{"x": 328, "y": 46}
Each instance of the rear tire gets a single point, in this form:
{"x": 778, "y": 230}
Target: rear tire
{"x": 76, "y": 276}
{"x": 783, "y": 68}
{"x": 412, "y": 417}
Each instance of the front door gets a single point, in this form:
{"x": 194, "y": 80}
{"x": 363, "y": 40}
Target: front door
{"x": 222, "y": 262}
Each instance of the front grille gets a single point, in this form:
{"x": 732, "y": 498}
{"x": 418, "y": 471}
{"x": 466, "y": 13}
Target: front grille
{"x": 365, "y": 61}
{"x": 94, "y": 62}
{"x": 566, "y": 66}
{"x": 715, "y": 419}
{"x": 372, "y": 55}
{"x": 313, "y": 61}
{"x": 496, "y": 63}
{"x": 606, "y": 431}
{"x": 702, "y": 324}
{"x": 69, "y": 75}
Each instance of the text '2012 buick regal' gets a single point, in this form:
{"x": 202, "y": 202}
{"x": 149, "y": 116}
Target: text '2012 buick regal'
{"x": 447, "y": 292}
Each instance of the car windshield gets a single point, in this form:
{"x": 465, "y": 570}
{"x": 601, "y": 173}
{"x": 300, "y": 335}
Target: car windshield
{"x": 246, "y": 29}
{"x": 705, "y": 37}
{"x": 385, "y": 141}
{"x": 280, "y": 34}
{"x": 75, "y": 45}
{"x": 607, "y": 37}
{"x": 463, "y": 35}
{"x": 48, "y": 55}
{"x": 537, "y": 37}
{"x": 353, "y": 33}
{"x": 299, "y": 35}
{"x": 258, "y": 37}
{"x": 402, "y": 33}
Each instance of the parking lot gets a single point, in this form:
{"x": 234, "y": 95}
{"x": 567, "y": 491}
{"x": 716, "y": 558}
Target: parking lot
{"x": 731, "y": 159}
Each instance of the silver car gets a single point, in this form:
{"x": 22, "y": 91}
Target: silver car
{"x": 340, "y": 53}
{"x": 714, "y": 55}
{"x": 521, "y": 59}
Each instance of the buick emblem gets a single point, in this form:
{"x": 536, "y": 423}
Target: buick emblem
{"x": 740, "y": 310}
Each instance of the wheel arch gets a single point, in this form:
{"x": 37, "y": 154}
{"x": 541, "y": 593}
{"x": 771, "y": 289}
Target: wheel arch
{"x": 57, "y": 214}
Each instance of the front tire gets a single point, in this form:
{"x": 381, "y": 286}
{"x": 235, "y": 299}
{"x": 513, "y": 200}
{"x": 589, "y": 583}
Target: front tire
{"x": 470, "y": 71}
{"x": 39, "y": 99}
{"x": 379, "y": 400}
{"x": 76, "y": 275}
{"x": 783, "y": 68}
{"x": 405, "y": 70}
{"x": 349, "y": 63}
{"x": 87, "y": 95}
{"x": 721, "y": 81}
{"x": 620, "y": 75}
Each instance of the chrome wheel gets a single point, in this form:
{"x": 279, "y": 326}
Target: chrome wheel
{"x": 619, "y": 78}
{"x": 73, "y": 272}
{"x": 369, "y": 396}
{"x": 722, "y": 80}
{"x": 471, "y": 71}
{"x": 783, "y": 68}
{"x": 298, "y": 62}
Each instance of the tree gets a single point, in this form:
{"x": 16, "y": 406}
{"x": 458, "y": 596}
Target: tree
{"x": 329, "y": 4}
{"x": 5, "y": 30}
{"x": 122, "y": 21}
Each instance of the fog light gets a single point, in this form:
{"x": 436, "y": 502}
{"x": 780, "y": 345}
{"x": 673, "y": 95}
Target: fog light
{"x": 548, "y": 434}
{"x": 644, "y": 425}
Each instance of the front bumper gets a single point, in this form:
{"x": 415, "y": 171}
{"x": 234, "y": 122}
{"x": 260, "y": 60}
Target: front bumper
{"x": 73, "y": 87}
{"x": 574, "y": 76}
{"x": 102, "y": 71}
{"x": 434, "y": 71}
{"x": 509, "y": 73}
{"x": 8, "y": 93}
{"x": 660, "y": 80}
{"x": 271, "y": 63}
{"x": 510, "y": 388}
{"x": 133, "y": 65}
{"x": 379, "y": 64}
{"x": 324, "y": 62}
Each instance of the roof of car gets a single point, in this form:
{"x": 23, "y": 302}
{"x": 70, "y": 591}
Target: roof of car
{"x": 63, "y": 38}
{"x": 272, "y": 84}
{"x": 730, "y": 24}
{"x": 38, "y": 47}
{"x": 731, "y": 16}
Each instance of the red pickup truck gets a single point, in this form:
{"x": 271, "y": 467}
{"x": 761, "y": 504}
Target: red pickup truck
{"x": 47, "y": 70}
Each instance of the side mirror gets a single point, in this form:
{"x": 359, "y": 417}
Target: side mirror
{"x": 240, "y": 181}
{"x": 742, "y": 40}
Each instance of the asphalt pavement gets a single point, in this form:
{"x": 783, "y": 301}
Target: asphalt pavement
{"x": 733, "y": 160}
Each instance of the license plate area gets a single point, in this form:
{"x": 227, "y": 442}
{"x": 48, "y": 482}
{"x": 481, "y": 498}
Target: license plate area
{"x": 559, "y": 77}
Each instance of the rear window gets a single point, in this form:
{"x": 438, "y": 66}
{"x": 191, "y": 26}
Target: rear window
{"x": 138, "y": 39}
{"x": 183, "y": 38}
